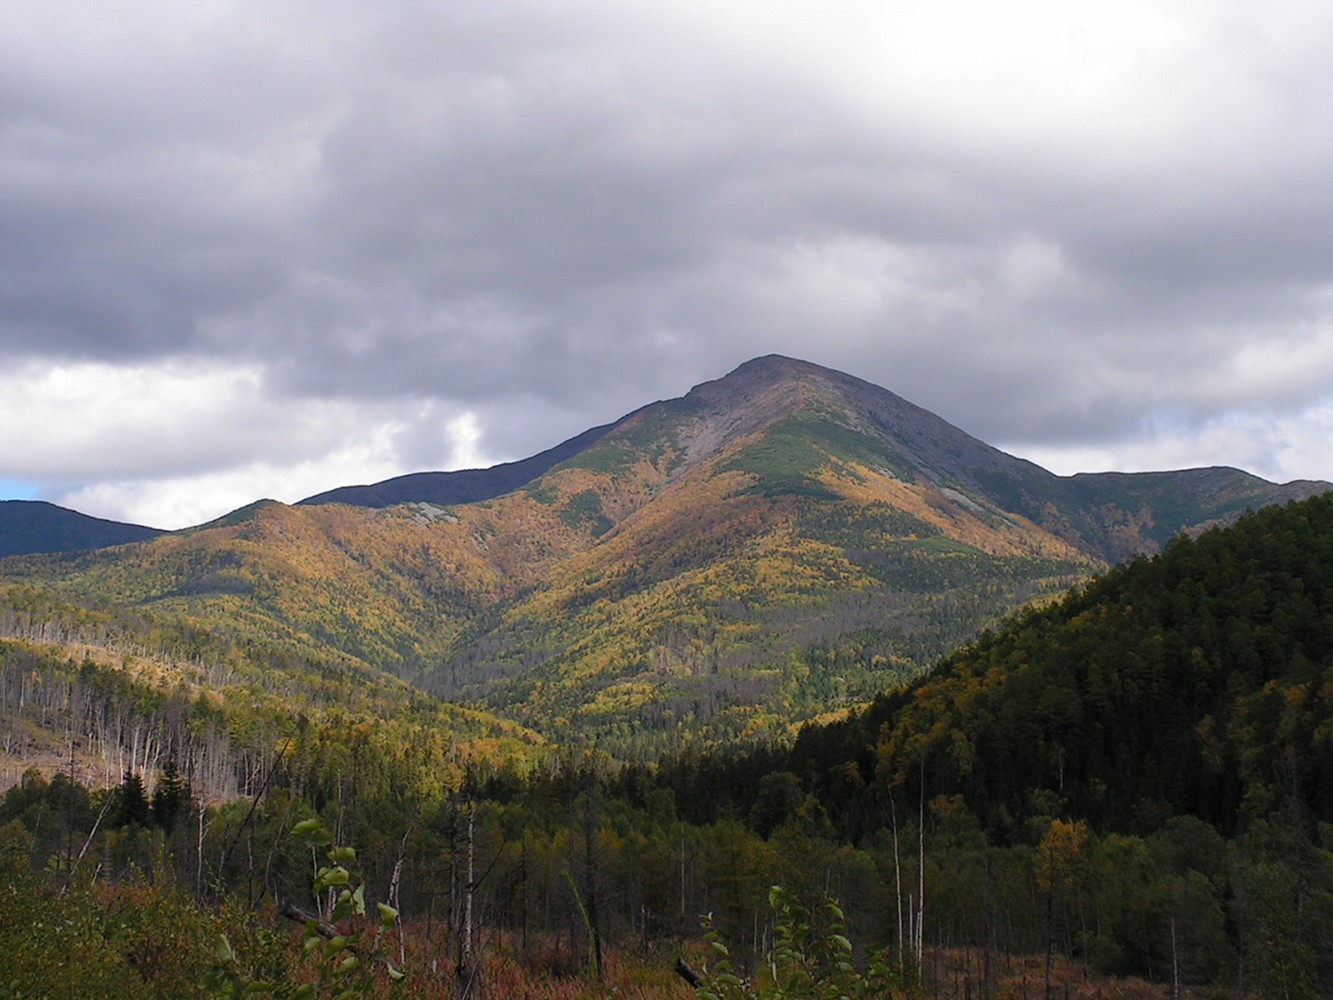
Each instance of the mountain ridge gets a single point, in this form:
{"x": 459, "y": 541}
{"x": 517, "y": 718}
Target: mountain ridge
{"x": 755, "y": 393}
{"x": 35, "y": 526}
{"x": 941, "y": 452}
{"x": 778, "y": 542}
{"x": 462, "y": 485}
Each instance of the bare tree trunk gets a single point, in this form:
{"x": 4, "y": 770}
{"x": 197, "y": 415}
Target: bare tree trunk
{"x": 1175, "y": 964}
{"x": 393, "y": 895}
{"x": 589, "y": 850}
{"x": 86, "y": 844}
{"x": 199, "y": 855}
{"x": 469, "y": 894}
{"x": 682, "y": 878}
{"x": 1050, "y": 939}
{"x": 523, "y": 877}
{"x": 465, "y": 973}
{"x": 921, "y": 870}
{"x": 897, "y": 875}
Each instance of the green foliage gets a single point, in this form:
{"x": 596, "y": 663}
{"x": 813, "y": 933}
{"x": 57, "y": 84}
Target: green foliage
{"x": 130, "y": 803}
{"x": 173, "y": 799}
{"x": 584, "y": 511}
{"x": 1194, "y": 683}
{"x": 784, "y": 461}
{"x": 647, "y": 436}
{"x": 611, "y": 458}
{"x": 342, "y": 950}
{"x": 73, "y": 935}
{"x": 811, "y": 959}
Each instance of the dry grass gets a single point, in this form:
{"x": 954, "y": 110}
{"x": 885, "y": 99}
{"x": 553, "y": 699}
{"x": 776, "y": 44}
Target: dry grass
{"x": 961, "y": 974}
{"x": 551, "y": 970}
{"x": 556, "y": 970}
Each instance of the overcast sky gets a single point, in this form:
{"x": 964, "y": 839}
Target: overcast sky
{"x": 256, "y": 249}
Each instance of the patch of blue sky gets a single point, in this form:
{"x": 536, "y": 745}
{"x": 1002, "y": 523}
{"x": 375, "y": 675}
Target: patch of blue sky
{"x": 17, "y": 489}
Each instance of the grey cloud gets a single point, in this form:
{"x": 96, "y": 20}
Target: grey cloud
{"x": 550, "y": 217}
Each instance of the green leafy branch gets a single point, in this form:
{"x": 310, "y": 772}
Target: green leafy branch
{"x": 811, "y": 960}
{"x": 344, "y": 960}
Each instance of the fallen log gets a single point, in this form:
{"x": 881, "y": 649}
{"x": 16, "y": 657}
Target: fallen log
{"x": 689, "y": 975}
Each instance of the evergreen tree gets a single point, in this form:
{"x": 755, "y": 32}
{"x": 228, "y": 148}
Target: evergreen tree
{"x": 172, "y": 798}
{"x": 131, "y": 804}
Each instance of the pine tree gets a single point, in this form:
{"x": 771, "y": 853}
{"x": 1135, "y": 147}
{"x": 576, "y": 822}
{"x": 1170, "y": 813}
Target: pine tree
{"x": 171, "y": 798}
{"x": 131, "y": 802}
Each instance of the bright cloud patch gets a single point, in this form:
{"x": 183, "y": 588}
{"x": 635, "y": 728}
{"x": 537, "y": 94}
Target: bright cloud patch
{"x": 1277, "y": 448}
{"x": 175, "y": 445}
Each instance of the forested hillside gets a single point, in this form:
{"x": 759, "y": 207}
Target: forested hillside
{"x": 95, "y": 694}
{"x": 1132, "y": 782}
{"x": 1199, "y": 682}
{"x": 1161, "y": 741}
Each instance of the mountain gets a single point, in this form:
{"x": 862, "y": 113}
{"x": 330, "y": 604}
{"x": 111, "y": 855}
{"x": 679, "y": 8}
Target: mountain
{"x": 792, "y": 537}
{"x": 1134, "y": 780}
{"x": 1110, "y": 515}
{"x": 30, "y": 526}
{"x": 780, "y": 542}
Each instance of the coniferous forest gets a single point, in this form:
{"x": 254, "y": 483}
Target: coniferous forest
{"x": 1129, "y": 789}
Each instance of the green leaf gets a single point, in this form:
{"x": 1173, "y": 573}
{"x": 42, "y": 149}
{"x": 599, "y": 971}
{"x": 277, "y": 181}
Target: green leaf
{"x": 338, "y": 875}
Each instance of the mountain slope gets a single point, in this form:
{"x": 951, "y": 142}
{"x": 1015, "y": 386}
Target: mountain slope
{"x": 1131, "y": 513}
{"x": 1193, "y": 683}
{"x": 789, "y": 538}
{"x": 93, "y": 691}
{"x": 31, "y": 526}
{"x": 779, "y": 542}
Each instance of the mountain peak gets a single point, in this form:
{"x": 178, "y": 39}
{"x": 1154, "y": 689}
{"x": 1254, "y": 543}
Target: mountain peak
{"x": 776, "y": 366}
{"x": 764, "y": 372}
{"x": 913, "y": 442}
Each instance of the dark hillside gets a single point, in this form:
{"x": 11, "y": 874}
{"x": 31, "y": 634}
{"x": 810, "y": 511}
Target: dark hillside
{"x": 32, "y": 526}
{"x": 1197, "y": 682}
